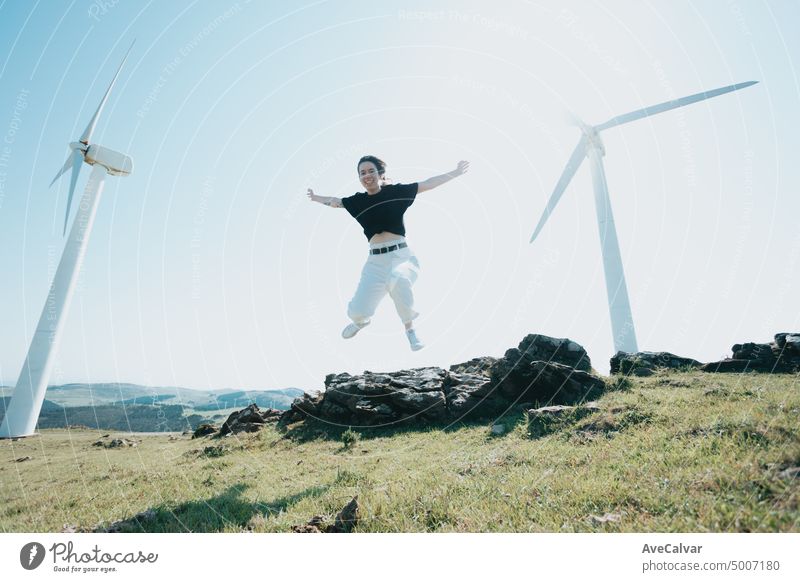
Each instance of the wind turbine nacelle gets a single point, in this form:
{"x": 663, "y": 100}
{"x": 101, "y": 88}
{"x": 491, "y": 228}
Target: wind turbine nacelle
{"x": 116, "y": 163}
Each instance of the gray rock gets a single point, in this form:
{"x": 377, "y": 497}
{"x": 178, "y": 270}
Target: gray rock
{"x": 250, "y": 419}
{"x": 480, "y": 388}
{"x": 471, "y": 396}
{"x": 378, "y": 398}
{"x": 480, "y": 366}
{"x": 203, "y": 430}
{"x": 344, "y": 522}
{"x": 542, "y": 348}
{"x": 729, "y": 365}
{"x": 782, "y": 356}
{"x": 761, "y": 353}
{"x": 646, "y": 363}
{"x": 788, "y": 343}
{"x": 306, "y": 528}
{"x": 544, "y": 382}
{"x": 116, "y": 443}
{"x": 347, "y": 519}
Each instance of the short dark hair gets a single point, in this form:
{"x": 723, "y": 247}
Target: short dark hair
{"x": 380, "y": 164}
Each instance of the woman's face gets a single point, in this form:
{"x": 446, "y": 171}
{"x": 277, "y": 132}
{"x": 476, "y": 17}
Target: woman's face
{"x": 368, "y": 174}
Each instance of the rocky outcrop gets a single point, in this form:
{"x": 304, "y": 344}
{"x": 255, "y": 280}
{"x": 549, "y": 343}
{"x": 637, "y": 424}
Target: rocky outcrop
{"x": 544, "y": 382}
{"x": 541, "y": 370}
{"x": 376, "y": 398}
{"x": 646, "y": 363}
{"x": 780, "y": 356}
{"x": 788, "y": 343}
{"x": 250, "y": 419}
{"x": 115, "y": 443}
{"x": 541, "y": 348}
{"x": 470, "y": 396}
{"x": 347, "y": 519}
{"x": 204, "y": 429}
{"x": 344, "y": 522}
{"x": 480, "y": 366}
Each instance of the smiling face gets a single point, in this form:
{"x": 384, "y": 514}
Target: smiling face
{"x": 370, "y": 178}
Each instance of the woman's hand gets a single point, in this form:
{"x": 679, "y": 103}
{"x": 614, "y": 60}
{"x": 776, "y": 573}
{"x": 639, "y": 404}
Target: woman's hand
{"x": 331, "y": 201}
{"x": 462, "y": 168}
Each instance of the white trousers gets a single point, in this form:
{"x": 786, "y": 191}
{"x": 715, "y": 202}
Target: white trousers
{"x": 394, "y": 273}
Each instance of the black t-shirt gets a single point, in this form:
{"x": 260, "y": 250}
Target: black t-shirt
{"x": 382, "y": 211}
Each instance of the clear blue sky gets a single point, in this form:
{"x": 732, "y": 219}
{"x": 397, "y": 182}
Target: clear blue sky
{"x": 209, "y": 268}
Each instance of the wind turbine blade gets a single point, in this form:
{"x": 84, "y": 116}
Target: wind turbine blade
{"x": 667, "y": 105}
{"x": 569, "y": 171}
{"x": 67, "y": 165}
{"x": 87, "y": 134}
{"x": 77, "y": 160}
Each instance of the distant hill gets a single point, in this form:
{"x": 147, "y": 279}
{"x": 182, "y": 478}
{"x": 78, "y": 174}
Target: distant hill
{"x": 47, "y": 406}
{"x": 280, "y": 399}
{"x": 132, "y": 407}
{"x": 121, "y": 393}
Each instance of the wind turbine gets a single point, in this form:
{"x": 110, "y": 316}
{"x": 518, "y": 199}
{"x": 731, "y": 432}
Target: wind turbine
{"x": 590, "y": 145}
{"x": 26, "y": 403}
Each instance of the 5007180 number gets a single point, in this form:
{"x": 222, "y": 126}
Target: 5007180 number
{"x": 755, "y": 565}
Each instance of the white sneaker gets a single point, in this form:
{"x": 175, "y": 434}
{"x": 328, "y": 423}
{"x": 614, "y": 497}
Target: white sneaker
{"x": 416, "y": 345}
{"x": 353, "y": 329}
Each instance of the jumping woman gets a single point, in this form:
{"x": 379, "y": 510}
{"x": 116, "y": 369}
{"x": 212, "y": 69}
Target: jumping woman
{"x": 391, "y": 265}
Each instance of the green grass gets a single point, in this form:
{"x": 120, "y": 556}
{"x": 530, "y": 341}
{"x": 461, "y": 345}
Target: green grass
{"x": 673, "y": 452}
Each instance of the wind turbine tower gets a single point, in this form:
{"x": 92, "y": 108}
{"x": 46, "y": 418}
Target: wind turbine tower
{"x": 26, "y": 402}
{"x": 590, "y": 145}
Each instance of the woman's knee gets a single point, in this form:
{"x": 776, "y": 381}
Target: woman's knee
{"x": 408, "y": 271}
{"x": 402, "y": 280}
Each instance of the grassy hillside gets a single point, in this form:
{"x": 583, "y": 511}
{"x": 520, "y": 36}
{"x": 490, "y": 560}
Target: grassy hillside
{"x": 673, "y": 452}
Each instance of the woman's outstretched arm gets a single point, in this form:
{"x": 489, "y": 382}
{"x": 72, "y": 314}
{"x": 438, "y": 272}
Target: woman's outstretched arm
{"x": 431, "y": 183}
{"x": 326, "y": 200}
